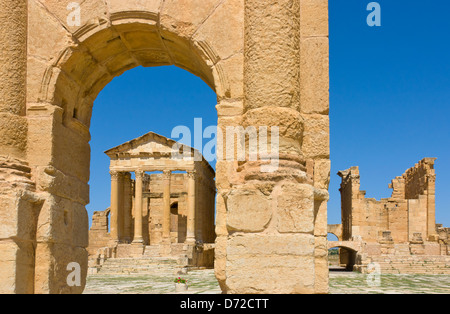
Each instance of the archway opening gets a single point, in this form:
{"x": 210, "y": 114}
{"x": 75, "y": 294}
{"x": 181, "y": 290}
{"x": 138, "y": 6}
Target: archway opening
{"x": 158, "y": 108}
{"x": 341, "y": 259}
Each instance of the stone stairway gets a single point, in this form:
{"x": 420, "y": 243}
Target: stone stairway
{"x": 431, "y": 265}
{"x": 148, "y": 260}
{"x": 152, "y": 251}
{"x": 145, "y": 265}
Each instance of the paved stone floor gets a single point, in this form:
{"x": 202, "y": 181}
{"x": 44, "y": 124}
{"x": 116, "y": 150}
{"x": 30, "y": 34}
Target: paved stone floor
{"x": 356, "y": 283}
{"x": 200, "y": 282}
{"x": 204, "y": 282}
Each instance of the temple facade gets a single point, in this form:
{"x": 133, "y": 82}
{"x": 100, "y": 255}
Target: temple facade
{"x": 162, "y": 200}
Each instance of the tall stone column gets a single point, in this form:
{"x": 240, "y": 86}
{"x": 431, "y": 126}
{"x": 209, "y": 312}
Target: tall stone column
{"x": 13, "y": 70}
{"x": 272, "y": 209}
{"x": 19, "y": 213}
{"x": 166, "y": 205}
{"x": 127, "y": 205}
{"x": 138, "y": 238}
{"x": 190, "y": 234}
{"x": 199, "y": 207}
{"x": 114, "y": 229}
{"x": 121, "y": 211}
{"x": 431, "y": 207}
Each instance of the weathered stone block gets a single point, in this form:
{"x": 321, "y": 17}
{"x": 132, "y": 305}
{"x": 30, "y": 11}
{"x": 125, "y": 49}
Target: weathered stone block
{"x": 247, "y": 211}
{"x": 175, "y": 13}
{"x": 314, "y": 77}
{"x": 281, "y": 256}
{"x": 316, "y": 142}
{"x": 16, "y": 267}
{"x": 314, "y": 18}
{"x": 213, "y": 35}
{"x": 52, "y": 261}
{"x": 295, "y": 208}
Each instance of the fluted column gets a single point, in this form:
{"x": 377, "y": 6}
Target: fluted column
{"x": 190, "y": 234}
{"x": 166, "y": 204}
{"x": 138, "y": 238}
{"x": 114, "y": 229}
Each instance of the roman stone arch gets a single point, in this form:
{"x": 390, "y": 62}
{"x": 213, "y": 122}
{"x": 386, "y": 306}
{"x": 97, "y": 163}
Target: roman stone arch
{"x": 348, "y": 252}
{"x": 266, "y": 60}
{"x": 336, "y": 230}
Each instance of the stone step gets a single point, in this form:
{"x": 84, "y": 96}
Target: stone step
{"x": 143, "y": 268}
{"x": 155, "y": 250}
{"x": 143, "y": 261}
{"x": 144, "y": 265}
{"x": 152, "y": 251}
{"x": 414, "y": 268}
{"x": 143, "y": 271}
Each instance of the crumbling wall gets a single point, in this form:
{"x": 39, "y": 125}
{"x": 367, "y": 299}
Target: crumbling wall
{"x": 361, "y": 217}
{"x": 99, "y": 233}
{"x": 399, "y": 233}
{"x": 410, "y": 210}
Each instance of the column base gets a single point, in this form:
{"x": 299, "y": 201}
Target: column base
{"x": 138, "y": 242}
{"x": 113, "y": 243}
{"x": 125, "y": 241}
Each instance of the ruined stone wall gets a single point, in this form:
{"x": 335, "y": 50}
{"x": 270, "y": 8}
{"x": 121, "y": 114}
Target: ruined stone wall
{"x": 361, "y": 217}
{"x": 99, "y": 233}
{"x": 416, "y": 178}
{"x": 395, "y": 232}
{"x": 444, "y": 239}
{"x": 398, "y": 218}
{"x": 409, "y": 211}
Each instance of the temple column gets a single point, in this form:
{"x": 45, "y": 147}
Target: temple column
{"x": 166, "y": 204}
{"x": 120, "y": 212}
{"x": 190, "y": 234}
{"x": 200, "y": 212}
{"x": 127, "y": 204}
{"x": 138, "y": 239}
{"x": 114, "y": 233}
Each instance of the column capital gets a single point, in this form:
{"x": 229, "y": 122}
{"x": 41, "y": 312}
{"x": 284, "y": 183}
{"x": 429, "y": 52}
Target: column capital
{"x": 167, "y": 174}
{"x": 115, "y": 175}
{"x": 139, "y": 173}
{"x": 192, "y": 174}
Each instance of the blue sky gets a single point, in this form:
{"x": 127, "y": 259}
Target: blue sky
{"x": 389, "y": 100}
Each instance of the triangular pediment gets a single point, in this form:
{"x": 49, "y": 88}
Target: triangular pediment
{"x": 148, "y": 144}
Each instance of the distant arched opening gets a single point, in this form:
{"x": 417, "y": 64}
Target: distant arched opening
{"x": 341, "y": 259}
